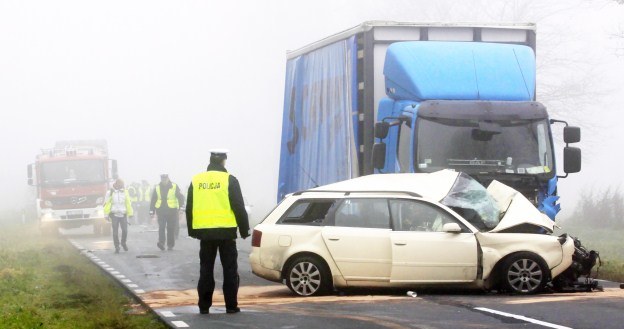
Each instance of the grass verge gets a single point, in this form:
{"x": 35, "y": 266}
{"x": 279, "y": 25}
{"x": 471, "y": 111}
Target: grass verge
{"x": 608, "y": 243}
{"x": 46, "y": 283}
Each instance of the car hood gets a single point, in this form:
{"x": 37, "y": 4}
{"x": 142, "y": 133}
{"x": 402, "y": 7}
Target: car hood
{"x": 517, "y": 208}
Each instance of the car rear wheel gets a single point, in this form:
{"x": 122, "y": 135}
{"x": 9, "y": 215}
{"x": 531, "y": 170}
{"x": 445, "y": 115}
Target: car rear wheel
{"x": 524, "y": 274}
{"x": 307, "y": 276}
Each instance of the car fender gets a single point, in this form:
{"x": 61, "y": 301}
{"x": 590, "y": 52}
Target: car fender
{"x": 497, "y": 246}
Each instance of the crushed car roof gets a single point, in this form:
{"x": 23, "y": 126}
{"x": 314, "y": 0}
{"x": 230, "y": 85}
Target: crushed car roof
{"x": 431, "y": 185}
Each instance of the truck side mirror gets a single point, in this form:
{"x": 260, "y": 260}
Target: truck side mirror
{"x": 381, "y": 130}
{"x": 29, "y": 170}
{"x": 379, "y": 154}
{"x": 115, "y": 173}
{"x": 571, "y": 134}
{"x": 571, "y": 160}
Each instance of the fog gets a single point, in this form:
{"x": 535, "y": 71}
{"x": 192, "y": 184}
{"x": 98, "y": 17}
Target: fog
{"x": 165, "y": 81}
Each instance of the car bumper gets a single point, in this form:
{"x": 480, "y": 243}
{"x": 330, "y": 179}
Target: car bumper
{"x": 263, "y": 272}
{"x": 567, "y": 249}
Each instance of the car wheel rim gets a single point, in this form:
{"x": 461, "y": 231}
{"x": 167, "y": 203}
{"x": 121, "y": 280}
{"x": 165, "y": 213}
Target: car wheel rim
{"x": 305, "y": 278}
{"x": 525, "y": 275}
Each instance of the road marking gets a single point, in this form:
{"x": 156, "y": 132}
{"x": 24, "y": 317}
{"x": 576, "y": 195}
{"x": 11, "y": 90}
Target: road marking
{"x": 114, "y": 272}
{"x": 523, "y": 318}
{"x": 132, "y": 285}
{"x": 180, "y": 324}
{"x": 167, "y": 314}
{"x": 101, "y": 263}
{"x": 126, "y": 280}
{"x": 139, "y": 291}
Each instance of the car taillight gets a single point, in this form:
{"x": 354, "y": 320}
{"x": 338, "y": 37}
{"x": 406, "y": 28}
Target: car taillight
{"x": 256, "y": 238}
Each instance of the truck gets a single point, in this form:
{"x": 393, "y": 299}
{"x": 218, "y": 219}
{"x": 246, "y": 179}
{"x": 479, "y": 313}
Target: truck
{"x": 71, "y": 180}
{"x": 397, "y": 97}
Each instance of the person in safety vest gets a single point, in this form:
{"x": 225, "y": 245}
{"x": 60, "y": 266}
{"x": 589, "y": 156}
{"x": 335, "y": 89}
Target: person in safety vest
{"x": 134, "y": 199}
{"x": 118, "y": 208}
{"x": 215, "y": 209}
{"x": 166, "y": 202}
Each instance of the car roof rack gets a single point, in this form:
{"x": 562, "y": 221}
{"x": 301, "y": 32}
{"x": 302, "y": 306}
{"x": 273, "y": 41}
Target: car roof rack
{"x": 354, "y": 192}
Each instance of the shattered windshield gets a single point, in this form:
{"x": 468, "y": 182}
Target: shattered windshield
{"x": 471, "y": 200}
{"x": 72, "y": 172}
{"x": 484, "y": 146}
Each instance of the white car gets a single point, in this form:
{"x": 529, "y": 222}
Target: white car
{"x": 409, "y": 230}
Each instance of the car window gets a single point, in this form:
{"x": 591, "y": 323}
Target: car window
{"x": 410, "y": 215}
{"x": 307, "y": 212}
{"x": 367, "y": 213}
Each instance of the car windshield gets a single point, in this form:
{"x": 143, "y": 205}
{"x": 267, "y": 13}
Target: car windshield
{"x": 473, "y": 202}
{"x": 72, "y": 172}
{"x": 477, "y": 146}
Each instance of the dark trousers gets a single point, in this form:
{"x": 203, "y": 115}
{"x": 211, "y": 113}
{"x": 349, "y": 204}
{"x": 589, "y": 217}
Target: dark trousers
{"x": 167, "y": 221}
{"x": 119, "y": 222}
{"x": 206, "y": 284}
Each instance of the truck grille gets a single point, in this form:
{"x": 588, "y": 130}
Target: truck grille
{"x": 83, "y": 201}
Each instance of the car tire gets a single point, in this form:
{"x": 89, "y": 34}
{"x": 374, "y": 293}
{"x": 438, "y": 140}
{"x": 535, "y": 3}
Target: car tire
{"x": 524, "y": 274}
{"x": 308, "y": 276}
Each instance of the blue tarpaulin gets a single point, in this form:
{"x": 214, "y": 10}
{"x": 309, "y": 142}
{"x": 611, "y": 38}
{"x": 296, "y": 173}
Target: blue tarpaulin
{"x": 320, "y": 118}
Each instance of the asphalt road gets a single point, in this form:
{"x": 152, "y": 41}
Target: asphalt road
{"x": 166, "y": 282}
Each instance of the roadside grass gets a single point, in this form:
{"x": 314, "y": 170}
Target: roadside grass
{"x": 608, "y": 242}
{"x": 46, "y": 283}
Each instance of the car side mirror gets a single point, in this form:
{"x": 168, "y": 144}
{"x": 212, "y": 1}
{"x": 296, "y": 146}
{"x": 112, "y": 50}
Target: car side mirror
{"x": 381, "y": 129}
{"x": 451, "y": 228}
{"x": 29, "y": 170}
{"x": 571, "y": 160}
{"x": 379, "y": 155}
{"x": 571, "y": 134}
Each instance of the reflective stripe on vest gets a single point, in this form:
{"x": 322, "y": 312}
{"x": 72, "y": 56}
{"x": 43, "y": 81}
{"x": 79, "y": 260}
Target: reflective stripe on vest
{"x": 211, "y": 201}
{"x": 172, "y": 200}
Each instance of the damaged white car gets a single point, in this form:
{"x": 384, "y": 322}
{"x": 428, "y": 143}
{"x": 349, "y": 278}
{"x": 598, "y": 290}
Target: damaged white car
{"x": 409, "y": 230}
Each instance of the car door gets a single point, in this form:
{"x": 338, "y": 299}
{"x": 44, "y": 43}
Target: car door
{"x": 423, "y": 252}
{"x": 358, "y": 239}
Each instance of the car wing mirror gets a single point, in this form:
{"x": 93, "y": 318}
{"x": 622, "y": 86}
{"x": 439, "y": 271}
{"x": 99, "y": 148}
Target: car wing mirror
{"x": 451, "y": 228}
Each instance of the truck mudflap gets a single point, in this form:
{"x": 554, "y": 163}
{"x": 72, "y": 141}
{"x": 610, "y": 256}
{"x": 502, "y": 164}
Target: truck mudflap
{"x": 583, "y": 261}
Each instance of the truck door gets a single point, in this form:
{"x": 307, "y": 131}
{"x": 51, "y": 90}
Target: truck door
{"x": 422, "y": 252}
{"x": 359, "y": 240}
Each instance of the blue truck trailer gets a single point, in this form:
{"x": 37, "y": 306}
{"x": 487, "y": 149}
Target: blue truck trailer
{"x": 387, "y": 97}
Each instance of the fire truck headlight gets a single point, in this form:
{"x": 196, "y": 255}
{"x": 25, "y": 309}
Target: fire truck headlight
{"x": 47, "y": 217}
{"x": 47, "y": 203}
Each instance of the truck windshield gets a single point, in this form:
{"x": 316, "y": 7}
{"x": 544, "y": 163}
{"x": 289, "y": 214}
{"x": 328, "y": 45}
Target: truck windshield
{"x": 472, "y": 201}
{"x": 72, "y": 172}
{"x": 476, "y": 146}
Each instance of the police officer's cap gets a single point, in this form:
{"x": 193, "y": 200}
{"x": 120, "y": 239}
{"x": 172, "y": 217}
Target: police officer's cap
{"x": 219, "y": 153}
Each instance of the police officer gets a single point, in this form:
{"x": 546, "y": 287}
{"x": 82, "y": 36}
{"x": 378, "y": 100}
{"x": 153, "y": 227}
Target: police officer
{"x": 215, "y": 208}
{"x": 166, "y": 202}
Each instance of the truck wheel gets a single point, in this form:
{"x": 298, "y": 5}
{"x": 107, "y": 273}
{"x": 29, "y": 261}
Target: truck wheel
{"x": 307, "y": 276}
{"x": 524, "y": 273}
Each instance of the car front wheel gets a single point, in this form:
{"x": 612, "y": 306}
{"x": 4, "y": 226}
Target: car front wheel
{"x": 524, "y": 274}
{"x": 307, "y": 276}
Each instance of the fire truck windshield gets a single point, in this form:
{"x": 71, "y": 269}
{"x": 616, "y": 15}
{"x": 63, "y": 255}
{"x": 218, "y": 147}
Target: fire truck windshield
{"x": 72, "y": 172}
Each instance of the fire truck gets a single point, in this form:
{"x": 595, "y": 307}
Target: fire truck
{"x": 72, "y": 179}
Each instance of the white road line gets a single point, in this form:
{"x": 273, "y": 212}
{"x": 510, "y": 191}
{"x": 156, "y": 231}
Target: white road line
{"x": 180, "y": 324}
{"x": 523, "y": 318}
{"x": 167, "y": 314}
{"x": 120, "y": 276}
{"x": 126, "y": 280}
{"x": 139, "y": 291}
{"x": 114, "y": 272}
{"x": 132, "y": 285}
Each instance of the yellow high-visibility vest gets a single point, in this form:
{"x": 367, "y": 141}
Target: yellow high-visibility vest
{"x": 172, "y": 200}
{"x": 132, "y": 192}
{"x": 211, "y": 201}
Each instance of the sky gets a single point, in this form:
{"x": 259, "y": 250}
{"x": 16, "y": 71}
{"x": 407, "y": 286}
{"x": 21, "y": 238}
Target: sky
{"x": 166, "y": 81}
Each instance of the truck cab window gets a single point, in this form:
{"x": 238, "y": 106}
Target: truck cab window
{"x": 404, "y": 150}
